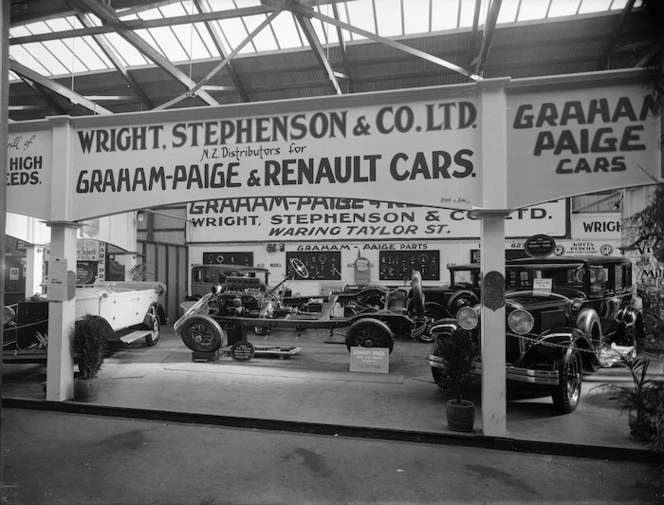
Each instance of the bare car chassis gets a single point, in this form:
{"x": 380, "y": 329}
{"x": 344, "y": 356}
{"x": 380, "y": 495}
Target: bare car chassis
{"x": 372, "y": 316}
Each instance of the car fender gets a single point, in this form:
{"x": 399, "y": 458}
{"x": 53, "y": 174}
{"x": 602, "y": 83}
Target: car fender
{"x": 555, "y": 343}
{"x": 589, "y": 322}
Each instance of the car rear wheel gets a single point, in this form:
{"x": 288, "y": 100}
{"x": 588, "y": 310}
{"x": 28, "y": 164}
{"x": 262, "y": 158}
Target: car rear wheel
{"x": 202, "y": 334}
{"x": 369, "y": 333}
{"x": 567, "y": 393}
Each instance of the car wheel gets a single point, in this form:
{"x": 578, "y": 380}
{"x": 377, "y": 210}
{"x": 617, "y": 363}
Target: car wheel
{"x": 432, "y": 313}
{"x": 369, "y": 333}
{"x": 154, "y": 335}
{"x": 202, "y": 334}
{"x": 567, "y": 393}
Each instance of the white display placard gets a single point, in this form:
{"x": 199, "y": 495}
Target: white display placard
{"x": 369, "y": 359}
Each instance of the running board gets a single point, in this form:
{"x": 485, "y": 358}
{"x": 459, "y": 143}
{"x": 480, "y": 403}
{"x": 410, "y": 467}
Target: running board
{"x": 134, "y": 336}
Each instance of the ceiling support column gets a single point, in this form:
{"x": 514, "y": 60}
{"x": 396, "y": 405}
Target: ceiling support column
{"x": 492, "y": 254}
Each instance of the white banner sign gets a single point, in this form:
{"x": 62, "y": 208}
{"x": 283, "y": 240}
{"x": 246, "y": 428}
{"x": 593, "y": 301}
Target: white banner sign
{"x": 578, "y": 141}
{"x": 597, "y": 225}
{"x": 304, "y": 219}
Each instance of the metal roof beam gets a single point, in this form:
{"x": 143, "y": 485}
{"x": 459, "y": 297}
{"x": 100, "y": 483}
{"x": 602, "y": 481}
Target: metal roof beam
{"x": 308, "y": 12}
{"x": 216, "y": 39}
{"x": 108, "y": 16}
{"x": 222, "y": 64}
{"x": 490, "y": 29}
{"x": 72, "y": 96}
{"x": 112, "y": 55}
{"x": 136, "y": 24}
{"x": 317, "y": 48}
{"x": 342, "y": 47}
{"x": 41, "y": 93}
{"x": 615, "y": 37}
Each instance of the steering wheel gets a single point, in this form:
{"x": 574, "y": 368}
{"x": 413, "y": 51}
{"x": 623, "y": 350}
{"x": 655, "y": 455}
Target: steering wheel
{"x": 299, "y": 267}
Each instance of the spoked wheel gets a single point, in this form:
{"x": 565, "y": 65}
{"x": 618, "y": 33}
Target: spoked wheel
{"x": 567, "y": 393}
{"x": 154, "y": 335}
{"x": 369, "y": 333}
{"x": 422, "y": 330}
{"x": 202, "y": 334}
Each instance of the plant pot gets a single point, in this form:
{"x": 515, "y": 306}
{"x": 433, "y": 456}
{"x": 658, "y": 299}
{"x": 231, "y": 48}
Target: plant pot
{"x": 639, "y": 431}
{"x": 460, "y": 416}
{"x": 86, "y": 390}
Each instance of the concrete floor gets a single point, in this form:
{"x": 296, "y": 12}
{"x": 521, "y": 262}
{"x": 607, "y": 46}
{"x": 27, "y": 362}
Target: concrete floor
{"x": 315, "y": 392}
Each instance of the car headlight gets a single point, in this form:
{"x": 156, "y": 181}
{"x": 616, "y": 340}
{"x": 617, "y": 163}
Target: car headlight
{"x": 7, "y": 315}
{"x": 467, "y": 318}
{"x": 520, "y": 321}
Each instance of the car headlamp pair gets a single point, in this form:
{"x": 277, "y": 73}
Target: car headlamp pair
{"x": 519, "y": 321}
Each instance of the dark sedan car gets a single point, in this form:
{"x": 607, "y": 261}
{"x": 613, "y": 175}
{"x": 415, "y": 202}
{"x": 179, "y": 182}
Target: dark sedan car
{"x": 562, "y": 313}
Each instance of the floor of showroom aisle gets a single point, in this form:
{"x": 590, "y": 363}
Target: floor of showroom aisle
{"x": 314, "y": 391}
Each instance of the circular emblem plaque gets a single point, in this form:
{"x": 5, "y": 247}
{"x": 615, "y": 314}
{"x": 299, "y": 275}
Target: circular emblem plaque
{"x": 539, "y": 246}
{"x": 242, "y": 351}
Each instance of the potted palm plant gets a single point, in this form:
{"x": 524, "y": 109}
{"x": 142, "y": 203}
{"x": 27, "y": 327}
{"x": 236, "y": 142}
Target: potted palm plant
{"x": 459, "y": 355}
{"x": 89, "y": 344}
{"x": 642, "y": 399}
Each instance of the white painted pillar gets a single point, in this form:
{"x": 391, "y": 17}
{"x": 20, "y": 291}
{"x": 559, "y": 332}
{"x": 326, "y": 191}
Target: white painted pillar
{"x": 492, "y": 253}
{"x": 61, "y": 314}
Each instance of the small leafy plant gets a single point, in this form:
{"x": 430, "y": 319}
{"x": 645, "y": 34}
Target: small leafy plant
{"x": 460, "y": 354}
{"x": 89, "y": 343}
{"x": 642, "y": 400}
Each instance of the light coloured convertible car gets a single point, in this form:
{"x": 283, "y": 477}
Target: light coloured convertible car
{"x": 130, "y": 311}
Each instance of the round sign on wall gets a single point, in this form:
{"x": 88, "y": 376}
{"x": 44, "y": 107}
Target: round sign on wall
{"x": 539, "y": 246}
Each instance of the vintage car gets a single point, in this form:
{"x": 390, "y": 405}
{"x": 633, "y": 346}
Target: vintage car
{"x": 561, "y": 315}
{"x": 130, "y": 310}
{"x": 373, "y": 315}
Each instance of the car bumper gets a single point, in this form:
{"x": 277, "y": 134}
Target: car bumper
{"x": 516, "y": 374}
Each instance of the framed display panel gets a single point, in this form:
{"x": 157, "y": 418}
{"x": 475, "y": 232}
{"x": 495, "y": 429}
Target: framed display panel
{"x": 228, "y": 258}
{"x": 399, "y": 265}
{"x": 322, "y": 266}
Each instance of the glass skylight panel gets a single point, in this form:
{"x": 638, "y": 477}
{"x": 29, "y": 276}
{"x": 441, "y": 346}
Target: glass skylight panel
{"x": 235, "y": 33}
{"x": 263, "y": 40}
{"x": 131, "y": 56}
{"x": 467, "y": 16}
{"x": 39, "y": 52}
{"x": 444, "y": 15}
{"x": 66, "y": 52}
{"x": 86, "y": 50}
{"x": 532, "y": 10}
{"x": 508, "y": 10}
{"x": 23, "y": 55}
{"x": 561, "y": 8}
{"x": 388, "y": 14}
{"x": 58, "y": 25}
{"x": 588, "y": 6}
{"x": 19, "y": 31}
{"x": 190, "y": 39}
{"x": 39, "y": 27}
{"x": 206, "y": 38}
{"x": 361, "y": 14}
{"x": 287, "y": 33}
{"x": 416, "y": 16}
{"x": 176, "y": 9}
{"x": 169, "y": 45}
